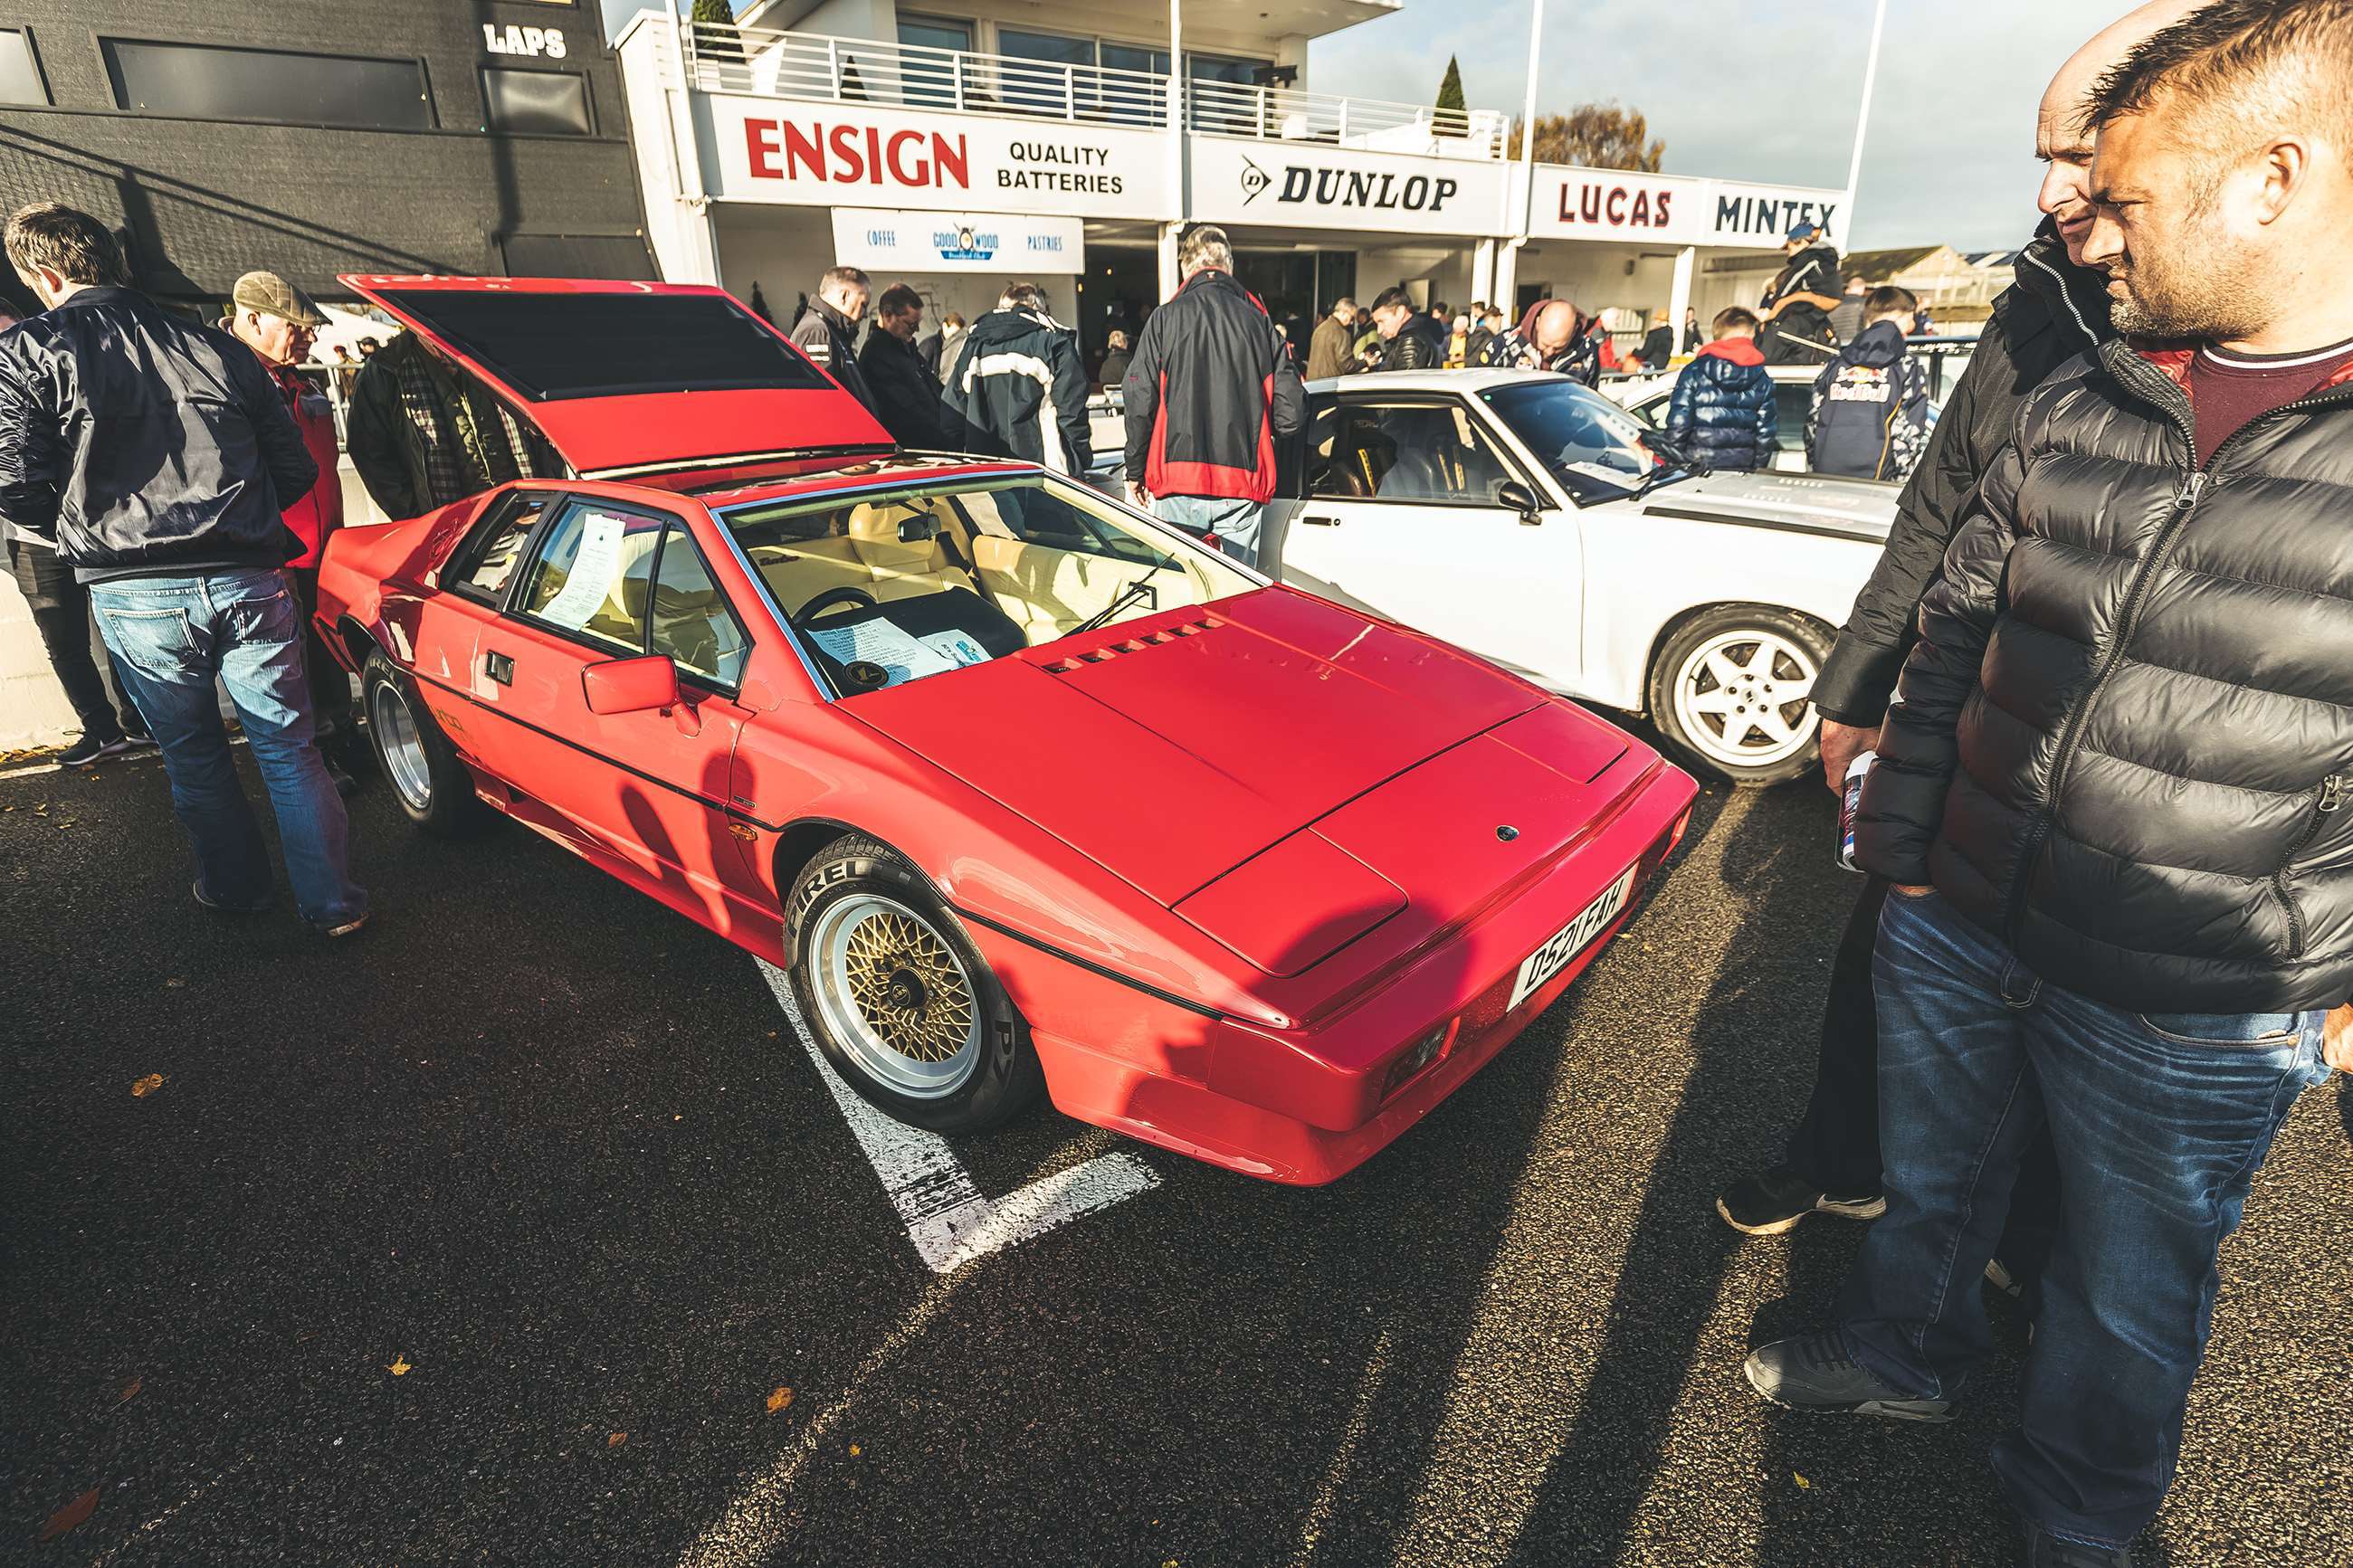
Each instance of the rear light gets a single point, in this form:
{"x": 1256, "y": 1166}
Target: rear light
{"x": 1418, "y": 1057}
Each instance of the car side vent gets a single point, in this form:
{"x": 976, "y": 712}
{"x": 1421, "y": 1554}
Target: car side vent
{"x": 1167, "y": 633}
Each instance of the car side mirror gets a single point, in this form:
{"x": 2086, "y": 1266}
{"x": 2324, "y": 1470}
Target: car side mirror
{"x": 1518, "y": 496}
{"x": 632, "y": 685}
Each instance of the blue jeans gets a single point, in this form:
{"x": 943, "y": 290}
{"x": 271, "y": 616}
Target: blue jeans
{"x": 2159, "y": 1121}
{"x": 171, "y": 636}
{"x": 1235, "y": 523}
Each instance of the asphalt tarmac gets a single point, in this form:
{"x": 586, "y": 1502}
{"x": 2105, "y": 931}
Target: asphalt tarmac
{"x": 492, "y": 1236}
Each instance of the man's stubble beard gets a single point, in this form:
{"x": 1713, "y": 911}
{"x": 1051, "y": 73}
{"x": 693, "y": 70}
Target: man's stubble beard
{"x": 2218, "y": 296}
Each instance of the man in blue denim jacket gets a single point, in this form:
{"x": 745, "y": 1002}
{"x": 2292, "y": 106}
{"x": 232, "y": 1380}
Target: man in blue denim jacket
{"x": 160, "y": 455}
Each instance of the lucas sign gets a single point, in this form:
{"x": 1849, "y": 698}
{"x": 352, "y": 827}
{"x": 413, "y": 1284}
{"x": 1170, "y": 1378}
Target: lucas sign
{"x": 1607, "y": 204}
{"x": 902, "y": 240}
{"x": 827, "y": 155}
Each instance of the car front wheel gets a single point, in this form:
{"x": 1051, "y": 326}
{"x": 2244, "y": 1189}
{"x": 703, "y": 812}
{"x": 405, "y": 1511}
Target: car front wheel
{"x": 1732, "y": 694}
{"x": 899, "y": 999}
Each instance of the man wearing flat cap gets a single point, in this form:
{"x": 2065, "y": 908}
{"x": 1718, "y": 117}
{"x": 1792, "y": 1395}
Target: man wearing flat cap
{"x": 278, "y": 323}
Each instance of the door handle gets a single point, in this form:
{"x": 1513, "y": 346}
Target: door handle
{"x": 499, "y": 667}
{"x": 1319, "y": 521}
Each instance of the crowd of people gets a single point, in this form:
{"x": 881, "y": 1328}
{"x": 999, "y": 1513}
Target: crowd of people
{"x": 2057, "y": 1043}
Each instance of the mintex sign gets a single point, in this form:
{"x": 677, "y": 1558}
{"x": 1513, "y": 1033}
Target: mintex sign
{"x": 830, "y": 155}
{"x": 1607, "y": 204}
{"x": 904, "y": 240}
{"x": 1294, "y": 184}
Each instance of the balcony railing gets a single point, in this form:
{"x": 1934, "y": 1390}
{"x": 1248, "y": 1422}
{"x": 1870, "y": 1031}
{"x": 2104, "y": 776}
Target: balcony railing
{"x": 723, "y": 58}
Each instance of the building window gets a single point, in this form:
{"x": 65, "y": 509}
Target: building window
{"x": 933, "y": 33}
{"x": 20, "y": 69}
{"x": 536, "y": 103}
{"x": 205, "y": 82}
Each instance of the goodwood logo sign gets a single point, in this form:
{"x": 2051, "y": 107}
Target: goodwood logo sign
{"x": 1350, "y": 190}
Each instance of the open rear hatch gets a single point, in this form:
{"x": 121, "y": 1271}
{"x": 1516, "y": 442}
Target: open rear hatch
{"x": 633, "y": 378}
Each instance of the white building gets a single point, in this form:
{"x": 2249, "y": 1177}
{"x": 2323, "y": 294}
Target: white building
{"x": 1046, "y": 139}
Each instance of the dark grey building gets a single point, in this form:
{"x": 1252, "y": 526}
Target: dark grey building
{"x": 313, "y": 137}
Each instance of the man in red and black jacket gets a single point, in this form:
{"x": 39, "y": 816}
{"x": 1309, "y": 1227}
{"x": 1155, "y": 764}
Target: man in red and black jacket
{"x": 1211, "y": 387}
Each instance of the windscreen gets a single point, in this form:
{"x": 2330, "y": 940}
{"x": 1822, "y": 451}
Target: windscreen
{"x": 1590, "y": 443}
{"x": 550, "y": 347}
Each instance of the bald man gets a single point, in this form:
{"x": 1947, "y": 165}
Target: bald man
{"x": 1553, "y": 336}
{"x": 2056, "y": 309}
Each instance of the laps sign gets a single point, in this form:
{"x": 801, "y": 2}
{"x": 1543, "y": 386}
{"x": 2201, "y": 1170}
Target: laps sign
{"x": 832, "y": 153}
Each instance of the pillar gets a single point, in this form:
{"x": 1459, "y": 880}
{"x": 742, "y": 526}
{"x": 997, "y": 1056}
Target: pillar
{"x": 1679, "y": 294}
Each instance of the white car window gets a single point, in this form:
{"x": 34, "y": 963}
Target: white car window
{"x": 1410, "y": 450}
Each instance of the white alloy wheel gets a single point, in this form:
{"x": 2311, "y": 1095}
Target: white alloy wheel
{"x": 1741, "y": 698}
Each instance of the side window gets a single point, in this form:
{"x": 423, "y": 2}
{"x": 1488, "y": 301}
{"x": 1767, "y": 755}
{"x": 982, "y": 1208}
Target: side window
{"x": 692, "y": 622}
{"x": 1431, "y": 452}
{"x": 1793, "y": 404}
{"x": 595, "y": 572}
{"x": 486, "y": 562}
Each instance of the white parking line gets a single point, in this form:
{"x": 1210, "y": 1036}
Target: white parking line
{"x": 947, "y": 1219}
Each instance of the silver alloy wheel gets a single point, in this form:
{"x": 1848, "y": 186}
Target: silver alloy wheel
{"x": 895, "y": 997}
{"x": 1742, "y": 697}
{"x": 402, "y": 747}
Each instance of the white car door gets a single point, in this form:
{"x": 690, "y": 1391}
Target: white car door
{"x": 1402, "y": 519}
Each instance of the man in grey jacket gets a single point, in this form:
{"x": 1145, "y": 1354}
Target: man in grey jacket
{"x": 2109, "y": 797}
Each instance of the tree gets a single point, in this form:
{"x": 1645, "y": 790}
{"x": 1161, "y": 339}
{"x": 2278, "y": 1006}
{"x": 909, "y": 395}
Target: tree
{"x": 1453, "y": 117}
{"x": 718, "y": 11}
{"x": 1595, "y": 136}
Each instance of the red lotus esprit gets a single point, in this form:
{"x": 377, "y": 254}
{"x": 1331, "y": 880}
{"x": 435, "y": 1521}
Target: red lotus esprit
{"x": 1023, "y": 789}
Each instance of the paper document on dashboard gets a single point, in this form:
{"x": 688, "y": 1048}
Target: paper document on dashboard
{"x": 902, "y": 657}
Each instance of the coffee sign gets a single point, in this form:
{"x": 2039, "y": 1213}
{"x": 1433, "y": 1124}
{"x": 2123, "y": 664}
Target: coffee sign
{"x": 884, "y": 240}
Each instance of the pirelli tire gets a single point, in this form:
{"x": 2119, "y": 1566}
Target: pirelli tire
{"x": 899, "y": 999}
{"x": 1731, "y": 691}
{"x": 434, "y": 788}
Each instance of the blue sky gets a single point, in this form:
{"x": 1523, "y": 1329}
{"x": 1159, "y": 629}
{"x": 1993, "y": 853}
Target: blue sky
{"x": 1763, "y": 89}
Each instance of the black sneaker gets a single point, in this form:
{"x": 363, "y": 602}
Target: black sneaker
{"x": 220, "y": 909}
{"x": 339, "y": 775}
{"x": 1818, "y": 1372}
{"x": 1775, "y": 1201}
{"x": 2044, "y": 1549}
{"x": 350, "y": 925}
{"x": 91, "y": 749}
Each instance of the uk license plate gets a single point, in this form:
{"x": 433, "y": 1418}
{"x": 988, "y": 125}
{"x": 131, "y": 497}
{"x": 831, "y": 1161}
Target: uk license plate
{"x": 1570, "y": 940}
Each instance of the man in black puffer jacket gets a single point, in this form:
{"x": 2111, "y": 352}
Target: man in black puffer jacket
{"x": 1722, "y": 411}
{"x": 1409, "y": 339}
{"x": 2110, "y": 795}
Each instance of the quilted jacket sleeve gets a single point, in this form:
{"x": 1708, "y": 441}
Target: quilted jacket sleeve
{"x": 1904, "y": 798}
{"x": 1768, "y": 427}
{"x": 1682, "y": 405}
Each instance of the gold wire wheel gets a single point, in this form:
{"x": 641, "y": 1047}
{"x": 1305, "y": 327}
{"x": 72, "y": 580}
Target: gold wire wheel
{"x": 910, "y": 988}
{"x": 894, "y": 995}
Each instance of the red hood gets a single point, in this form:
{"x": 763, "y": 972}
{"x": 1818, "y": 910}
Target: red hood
{"x": 1739, "y": 351}
{"x": 622, "y": 377}
{"x": 1174, "y": 747}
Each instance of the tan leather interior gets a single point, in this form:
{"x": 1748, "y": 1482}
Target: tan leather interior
{"x": 862, "y": 551}
{"x": 1050, "y": 591}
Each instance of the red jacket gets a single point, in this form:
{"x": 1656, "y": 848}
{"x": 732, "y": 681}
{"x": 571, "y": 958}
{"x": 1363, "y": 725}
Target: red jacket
{"x": 320, "y": 512}
{"x": 1210, "y": 388}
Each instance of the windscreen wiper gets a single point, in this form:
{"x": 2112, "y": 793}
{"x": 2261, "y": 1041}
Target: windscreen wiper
{"x": 1126, "y": 596}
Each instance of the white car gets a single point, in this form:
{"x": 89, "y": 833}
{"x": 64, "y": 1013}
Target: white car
{"x": 1524, "y": 517}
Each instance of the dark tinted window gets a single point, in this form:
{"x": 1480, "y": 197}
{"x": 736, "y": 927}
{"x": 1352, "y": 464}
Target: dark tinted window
{"x": 20, "y": 74}
{"x": 606, "y": 345}
{"x": 543, "y": 104}
{"x": 208, "y": 82}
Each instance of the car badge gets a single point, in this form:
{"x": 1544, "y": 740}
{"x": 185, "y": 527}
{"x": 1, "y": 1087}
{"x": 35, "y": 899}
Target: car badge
{"x": 1507, "y": 833}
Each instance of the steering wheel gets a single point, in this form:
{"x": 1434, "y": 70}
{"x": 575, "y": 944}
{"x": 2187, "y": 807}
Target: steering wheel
{"x": 819, "y": 603}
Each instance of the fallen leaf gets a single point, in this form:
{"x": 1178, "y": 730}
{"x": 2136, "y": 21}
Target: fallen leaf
{"x": 399, "y": 1367}
{"x": 147, "y": 1085}
{"x": 126, "y": 1391}
{"x": 73, "y": 1513}
{"x": 855, "y": 1450}
{"x": 173, "y": 984}
{"x": 1803, "y": 1484}
{"x": 614, "y": 1439}
{"x": 779, "y": 1400}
